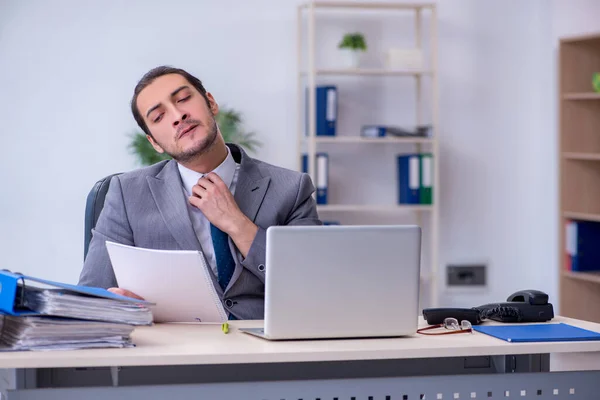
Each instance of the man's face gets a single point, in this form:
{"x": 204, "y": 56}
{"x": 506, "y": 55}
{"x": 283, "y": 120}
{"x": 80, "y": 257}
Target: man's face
{"x": 181, "y": 123}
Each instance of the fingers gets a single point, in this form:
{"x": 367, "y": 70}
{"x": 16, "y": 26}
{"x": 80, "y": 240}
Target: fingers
{"x": 208, "y": 183}
{"x": 195, "y": 201}
{"x": 198, "y": 190}
{"x": 125, "y": 293}
{"x": 215, "y": 179}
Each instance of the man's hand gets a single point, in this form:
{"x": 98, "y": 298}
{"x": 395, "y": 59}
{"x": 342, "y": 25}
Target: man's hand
{"x": 125, "y": 293}
{"x": 212, "y": 196}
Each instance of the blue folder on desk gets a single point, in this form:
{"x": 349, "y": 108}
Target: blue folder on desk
{"x": 538, "y": 332}
{"x": 12, "y": 287}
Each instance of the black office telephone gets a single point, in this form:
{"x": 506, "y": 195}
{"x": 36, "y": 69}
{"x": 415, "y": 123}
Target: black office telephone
{"x": 522, "y": 306}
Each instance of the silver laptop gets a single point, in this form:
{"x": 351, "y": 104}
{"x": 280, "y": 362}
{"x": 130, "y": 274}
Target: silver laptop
{"x": 341, "y": 282}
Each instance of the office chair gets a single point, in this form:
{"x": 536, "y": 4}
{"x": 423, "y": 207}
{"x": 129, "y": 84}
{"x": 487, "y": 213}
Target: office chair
{"x": 93, "y": 206}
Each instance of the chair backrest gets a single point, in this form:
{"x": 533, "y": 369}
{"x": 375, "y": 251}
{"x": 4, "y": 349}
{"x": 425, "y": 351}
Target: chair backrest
{"x": 93, "y": 207}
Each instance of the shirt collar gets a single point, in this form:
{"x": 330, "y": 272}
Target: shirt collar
{"x": 225, "y": 170}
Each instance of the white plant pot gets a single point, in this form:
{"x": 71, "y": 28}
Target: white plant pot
{"x": 351, "y": 58}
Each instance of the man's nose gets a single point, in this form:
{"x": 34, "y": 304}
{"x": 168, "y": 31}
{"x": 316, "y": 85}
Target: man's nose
{"x": 179, "y": 119}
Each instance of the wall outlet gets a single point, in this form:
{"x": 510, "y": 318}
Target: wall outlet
{"x": 466, "y": 275}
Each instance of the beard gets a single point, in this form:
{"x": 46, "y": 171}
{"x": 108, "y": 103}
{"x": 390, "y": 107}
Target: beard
{"x": 201, "y": 147}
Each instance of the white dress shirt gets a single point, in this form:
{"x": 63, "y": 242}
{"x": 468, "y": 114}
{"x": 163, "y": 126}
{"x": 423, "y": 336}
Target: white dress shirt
{"x": 227, "y": 171}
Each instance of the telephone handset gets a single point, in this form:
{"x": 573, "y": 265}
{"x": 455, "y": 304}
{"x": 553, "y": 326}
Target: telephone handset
{"x": 522, "y": 306}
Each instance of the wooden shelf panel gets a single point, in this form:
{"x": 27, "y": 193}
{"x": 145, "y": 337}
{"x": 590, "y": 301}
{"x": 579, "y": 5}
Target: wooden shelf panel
{"x": 586, "y": 38}
{"x": 581, "y": 96}
{"x": 374, "y": 207}
{"x": 583, "y": 276}
{"x": 369, "y": 72}
{"x": 581, "y": 156}
{"x": 365, "y": 5}
{"x": 362, "y": 140}
{"x": 580, "y": 123}
{"x": 578, "y": 297}
{"x": 581, "y": 216}
{"x": 579, "y": 60}
{"x": 580, "y": 186}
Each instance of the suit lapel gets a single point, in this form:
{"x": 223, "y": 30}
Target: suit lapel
{"x": 170, "y": 199}
{"x": 251, "y": 185}
{"x": 250, "y": 191}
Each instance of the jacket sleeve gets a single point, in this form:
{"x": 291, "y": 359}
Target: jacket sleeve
{"x": 304, "y": 212}
{"x": 112, "y": 225}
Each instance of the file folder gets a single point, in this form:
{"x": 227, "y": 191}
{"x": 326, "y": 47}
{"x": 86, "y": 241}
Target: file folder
{"x": 582, "y": 250}
{"x": 426, "y": 176}
{"x": 409, "y": 180}
{"x": 326, "y": 110}
{"x": 13, "y": 288}
{"x": 560, "y": 332}
{"x": 321, "y": 174}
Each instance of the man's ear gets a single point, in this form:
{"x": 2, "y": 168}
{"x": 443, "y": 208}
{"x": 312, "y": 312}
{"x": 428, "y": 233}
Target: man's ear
{"x": 154, "y": 144}
{"x": 212, "y": 104}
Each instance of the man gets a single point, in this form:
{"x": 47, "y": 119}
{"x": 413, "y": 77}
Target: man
{"x": 211, "y": 197}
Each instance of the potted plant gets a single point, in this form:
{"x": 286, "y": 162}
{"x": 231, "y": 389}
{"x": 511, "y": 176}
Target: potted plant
{"x": 230, "y": 125}
{"x": 352, "y": 46}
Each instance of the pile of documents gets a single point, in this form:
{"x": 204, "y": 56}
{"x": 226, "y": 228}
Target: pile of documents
{"x": 49, "y": 333}
{"x": 59, "y": 316}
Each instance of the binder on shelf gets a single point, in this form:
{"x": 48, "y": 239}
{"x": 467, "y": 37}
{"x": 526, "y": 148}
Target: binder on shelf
{"x": 582, "y": 250}
{"x": 326, "y": 111}
{"x": 426, "y": 178}
{"x": 321, "y": 173}
{"x": 409, "y": 181}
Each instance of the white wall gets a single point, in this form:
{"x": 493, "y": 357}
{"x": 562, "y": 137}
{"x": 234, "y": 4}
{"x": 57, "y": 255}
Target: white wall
{"x": 67, "y": 70}
{"x": 497, "y": 145}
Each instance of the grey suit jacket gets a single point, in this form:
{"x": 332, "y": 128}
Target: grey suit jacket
{"x": 148, "y": 208}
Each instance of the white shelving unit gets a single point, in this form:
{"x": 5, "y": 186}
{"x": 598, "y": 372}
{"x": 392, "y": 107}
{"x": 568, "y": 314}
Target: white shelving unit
{"x": 308, "y": 71}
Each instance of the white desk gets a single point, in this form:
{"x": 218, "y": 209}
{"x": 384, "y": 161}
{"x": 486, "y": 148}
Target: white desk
{"x": 200, "y": 361}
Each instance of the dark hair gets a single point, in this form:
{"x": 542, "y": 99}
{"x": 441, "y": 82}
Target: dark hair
{"x": 149, "y": 77}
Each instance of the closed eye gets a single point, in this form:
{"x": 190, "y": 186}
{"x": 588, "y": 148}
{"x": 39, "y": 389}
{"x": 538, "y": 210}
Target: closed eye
{"x": 158, "y": 118}
{"x": 184, "y": 99}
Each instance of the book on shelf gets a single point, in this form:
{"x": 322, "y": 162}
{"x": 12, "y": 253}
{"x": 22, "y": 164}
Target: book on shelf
{"x": 415, "y": 178}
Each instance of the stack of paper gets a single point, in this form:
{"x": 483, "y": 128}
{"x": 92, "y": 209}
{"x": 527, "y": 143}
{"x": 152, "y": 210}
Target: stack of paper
{"x": 37, "y": 314}
{"x": 47, "y": 333}
{"x": 61, "y": 303}
{"x": 179, "y": 282}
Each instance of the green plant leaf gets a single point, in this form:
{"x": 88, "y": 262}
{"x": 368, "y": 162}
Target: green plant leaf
{"x": 354, "y": 41}
{"x": 143, "y": 150}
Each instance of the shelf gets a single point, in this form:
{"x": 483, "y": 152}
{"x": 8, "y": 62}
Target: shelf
{"x": 370, "y": 72}
{"x": 583, "y": 276}
{"x": 581, "y": 216}
{"x": 388, "y": 6}
{"x": 581, "y": 96}
{"x": 374, "y": 207}
{"x": 582, "y": 156}
{"x": 585, "y": 38}
{"x": 363, "y": 140}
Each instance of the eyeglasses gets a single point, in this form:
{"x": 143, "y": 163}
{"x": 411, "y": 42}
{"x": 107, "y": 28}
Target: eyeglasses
{"x": 451, "y": 325}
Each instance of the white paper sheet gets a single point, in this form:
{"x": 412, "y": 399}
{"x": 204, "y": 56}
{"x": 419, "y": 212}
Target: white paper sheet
{"x": 178, "y": 281}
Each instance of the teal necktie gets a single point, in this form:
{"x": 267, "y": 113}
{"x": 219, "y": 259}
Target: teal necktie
{"x": 225, "y": 261}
